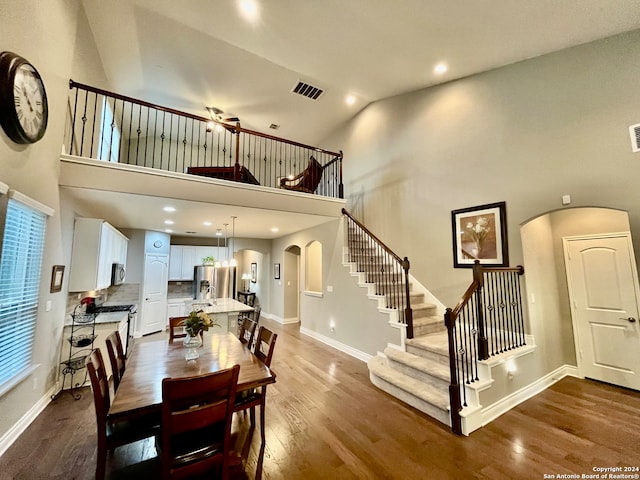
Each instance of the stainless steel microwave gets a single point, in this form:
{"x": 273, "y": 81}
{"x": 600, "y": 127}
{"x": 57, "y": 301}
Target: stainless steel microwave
{"x": 117, "y": 274}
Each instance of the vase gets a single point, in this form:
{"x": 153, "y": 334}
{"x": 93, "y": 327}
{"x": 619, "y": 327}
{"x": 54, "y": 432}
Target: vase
{"x": 192, "y": 344}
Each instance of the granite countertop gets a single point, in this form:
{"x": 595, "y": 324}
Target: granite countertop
{"x": 222, "y": 305}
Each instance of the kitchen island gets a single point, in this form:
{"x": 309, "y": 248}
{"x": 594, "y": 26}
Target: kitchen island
{"x": 224, "y": 311}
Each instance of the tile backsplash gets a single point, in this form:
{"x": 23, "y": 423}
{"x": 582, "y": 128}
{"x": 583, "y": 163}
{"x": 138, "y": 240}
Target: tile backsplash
{"x": 179, "y": 289}
{"x": 125, "y": 293}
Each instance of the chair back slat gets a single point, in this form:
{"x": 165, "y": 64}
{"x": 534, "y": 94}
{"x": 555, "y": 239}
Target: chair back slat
{"x": 116, "y": 357}
{"x": 201, "y": 408}
{"x": 265, "y": 344}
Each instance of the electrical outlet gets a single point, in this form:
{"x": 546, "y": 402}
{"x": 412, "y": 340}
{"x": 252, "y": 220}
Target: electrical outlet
{"x": 35, "y": 382}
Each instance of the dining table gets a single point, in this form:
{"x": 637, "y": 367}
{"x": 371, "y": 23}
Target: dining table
{"x": 140, "y": 390}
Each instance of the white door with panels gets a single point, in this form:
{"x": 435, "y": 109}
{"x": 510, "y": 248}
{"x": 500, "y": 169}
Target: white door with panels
{"x": 154, "y": 293}
{"x": 604, "y": 294}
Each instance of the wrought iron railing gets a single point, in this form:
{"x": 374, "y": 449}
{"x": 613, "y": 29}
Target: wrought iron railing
{"x": 487, "y": 321}
{"x": 111, "y": 127}
{"x": 382, "y": 267}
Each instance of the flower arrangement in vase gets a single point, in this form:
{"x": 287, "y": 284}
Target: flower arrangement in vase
{"x": 197, "y": 322}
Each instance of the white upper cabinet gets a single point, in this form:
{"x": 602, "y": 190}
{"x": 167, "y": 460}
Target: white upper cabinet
{"x": 96, "y": 247}
{"x": 184, "y": 257}
{"x": 181, "y": 262}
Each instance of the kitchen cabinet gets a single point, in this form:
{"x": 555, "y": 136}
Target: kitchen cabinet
{"x": 176, "y": 308}
{"x": 183, "y": 258}
{"x": 96, "y": 247}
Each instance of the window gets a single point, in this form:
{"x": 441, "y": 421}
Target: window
{"x": 109, "y": 147}
{"x": 24, "y": 223}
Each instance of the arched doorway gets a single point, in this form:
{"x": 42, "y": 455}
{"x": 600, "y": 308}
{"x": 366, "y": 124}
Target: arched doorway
{"x": 550, "y": 310}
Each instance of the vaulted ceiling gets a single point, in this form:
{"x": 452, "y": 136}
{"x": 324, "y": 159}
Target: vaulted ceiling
{"x": 190, "y": 54}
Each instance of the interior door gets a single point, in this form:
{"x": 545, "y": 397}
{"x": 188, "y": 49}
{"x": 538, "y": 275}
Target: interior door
{"x": 154, "y": 293}
{"x": 603, "y": 289}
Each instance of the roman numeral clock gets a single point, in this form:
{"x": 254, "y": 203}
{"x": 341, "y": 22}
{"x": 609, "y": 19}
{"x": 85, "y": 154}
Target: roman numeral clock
{"x": 23, "y": 100}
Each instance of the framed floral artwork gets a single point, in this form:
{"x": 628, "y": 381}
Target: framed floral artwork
{"x": 480, "y": 233}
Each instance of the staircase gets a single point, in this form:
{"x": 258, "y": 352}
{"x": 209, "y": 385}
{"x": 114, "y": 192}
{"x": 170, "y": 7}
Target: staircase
{"x": 485, "y": 330}
{"x": 419, "y": 374}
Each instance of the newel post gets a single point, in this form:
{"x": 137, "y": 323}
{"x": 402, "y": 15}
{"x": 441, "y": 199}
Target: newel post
{"x": 483, "y": 342}
{"x": 454, "y": 385}
{"x": 340, "y": 186}
{"x": 408, "y": 311}
{"x": 236, "y": 167}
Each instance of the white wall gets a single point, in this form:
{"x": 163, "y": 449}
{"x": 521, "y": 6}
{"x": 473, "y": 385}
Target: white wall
{"x": 357, "y": 321}
{"x": 526, "y": 134}
{"x": 55, "y": 38}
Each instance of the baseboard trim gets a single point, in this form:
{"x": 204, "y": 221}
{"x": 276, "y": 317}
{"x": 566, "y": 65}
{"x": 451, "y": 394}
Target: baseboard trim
{"x": 280, "y": 320}
{"x": 21, "y": 425}
{"x": 493, "y": 411}
{"x": 365, "y": 357}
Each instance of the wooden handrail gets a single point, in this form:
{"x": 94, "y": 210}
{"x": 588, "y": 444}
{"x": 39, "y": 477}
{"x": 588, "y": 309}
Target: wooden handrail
{"x": 398, "y": 302}
{"x": 455, "y": 311}
{"x": 233, "y": 128}
{"x": 368, "y": 232}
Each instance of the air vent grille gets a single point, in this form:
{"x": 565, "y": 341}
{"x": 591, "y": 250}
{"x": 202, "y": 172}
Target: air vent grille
{"x": 634, "y": 132}
{"x": 307, "y": 90}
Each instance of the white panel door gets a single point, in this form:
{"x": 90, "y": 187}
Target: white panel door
{"x": 603, "y": 288}
{"x": 154, "y": 293}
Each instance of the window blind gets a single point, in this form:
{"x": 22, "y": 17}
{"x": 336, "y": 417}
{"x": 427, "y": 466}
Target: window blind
{"x": 20, "y": 267}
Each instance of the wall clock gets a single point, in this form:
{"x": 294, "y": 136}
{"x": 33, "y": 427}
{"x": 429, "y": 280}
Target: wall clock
{"x": 23, "y": 101}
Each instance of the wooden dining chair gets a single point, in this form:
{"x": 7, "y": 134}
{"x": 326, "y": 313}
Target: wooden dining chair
{"x": 247, "y": 331}
{"x": 176, "y": 328}
{"x": 263, "y": 350}
{"x": 196, "y": 424}
{"x": 112, "y": 433}
{"x": 116, "y": 357}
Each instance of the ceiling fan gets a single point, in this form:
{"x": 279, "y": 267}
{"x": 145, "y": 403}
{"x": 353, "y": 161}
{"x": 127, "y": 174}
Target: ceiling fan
{"x": 216, "y": 114}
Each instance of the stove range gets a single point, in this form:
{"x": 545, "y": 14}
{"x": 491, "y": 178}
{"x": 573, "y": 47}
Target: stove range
{"x": 111, "y": 308}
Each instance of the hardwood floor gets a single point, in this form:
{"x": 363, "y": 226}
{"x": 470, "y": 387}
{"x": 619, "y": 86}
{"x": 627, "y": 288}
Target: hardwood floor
{"x": 326, "y": 420}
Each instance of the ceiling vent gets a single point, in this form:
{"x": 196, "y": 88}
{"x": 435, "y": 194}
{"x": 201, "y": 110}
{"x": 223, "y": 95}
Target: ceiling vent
{"x": 274, "y": 126}
{"x": 307, "y": 90}
{"x": 634, "y": 132}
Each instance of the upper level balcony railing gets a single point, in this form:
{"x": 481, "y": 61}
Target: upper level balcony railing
{"x": 115, "y": 128}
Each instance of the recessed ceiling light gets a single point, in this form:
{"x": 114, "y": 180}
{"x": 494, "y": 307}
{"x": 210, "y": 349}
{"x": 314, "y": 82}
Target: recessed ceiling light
{"x": 168, "y": 230}
{"x": 169, "y": 222}
{"x": 169, "y": 209}
{"x": 206, "y": 223}
{"x": 275, "y": 229}
{"x": 440, "y": 68}
{"x": 248, "y": 9}
{"x": 351, "y": 99}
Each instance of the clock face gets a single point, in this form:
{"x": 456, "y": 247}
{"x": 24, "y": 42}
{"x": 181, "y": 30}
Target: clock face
{"x": 29, "y": 101}
{"x": 23, "y": 100}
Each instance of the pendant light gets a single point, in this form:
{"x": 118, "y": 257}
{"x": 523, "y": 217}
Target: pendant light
{"x": 225, "y": 263}
{"x": 233, "y": 262}
{"x": 218, "y": 234}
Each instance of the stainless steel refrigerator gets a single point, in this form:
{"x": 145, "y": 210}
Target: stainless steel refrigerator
{"x": 214, "y": 282}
